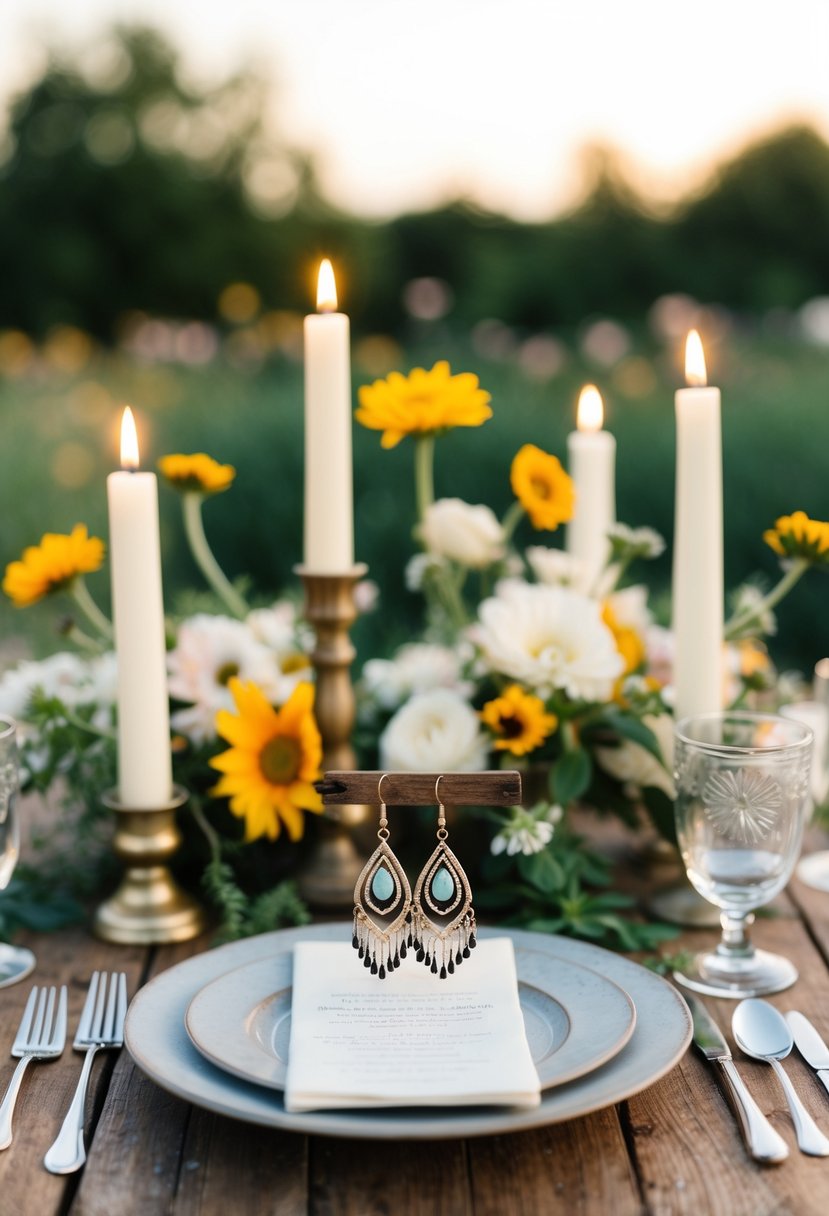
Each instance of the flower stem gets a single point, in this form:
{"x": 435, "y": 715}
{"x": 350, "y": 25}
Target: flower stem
{"x": 512, "y": 519}
{"x": 73, "y": 633}
{"x": 80, "y": 594}
{"x": 203, "y": 556}
{"x": 100, "y": 732}
{"x": 424, "y": 474}
{"x": 738, "y": 623}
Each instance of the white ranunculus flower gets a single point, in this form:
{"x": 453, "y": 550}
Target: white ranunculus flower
{"x": 549, "y": 638}
{"x": 209, "y": 651}
{"x": 63, "y": 675}
{"x": 634, "y": 765}
{"x": 526, "y": 832}
{"x": 557, "y": 568}
{"x": 436, "y": 731}
{"x": 471, "y": 536}
{"x": 417, "y": 667}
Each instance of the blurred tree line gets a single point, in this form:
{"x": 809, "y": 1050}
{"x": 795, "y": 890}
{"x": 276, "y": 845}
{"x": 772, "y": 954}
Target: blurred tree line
{"x": 125, "y": 188}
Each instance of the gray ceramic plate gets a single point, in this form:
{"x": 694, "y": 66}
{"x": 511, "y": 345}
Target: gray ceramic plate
{"x": 157, "y": 1040}
{"x": 575, "y": 1019}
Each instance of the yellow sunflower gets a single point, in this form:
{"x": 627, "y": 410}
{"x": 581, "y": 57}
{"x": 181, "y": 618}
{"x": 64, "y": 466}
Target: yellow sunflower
{"x": 198, "y": 474}
{"x": 543, "y": 488}
{"x": 422, "y": 403}
{"x": 798, "y": 536}
{"x": 518, "y": 720}
{"x": 52, "y": 565}
{"x": 274, "y": 757}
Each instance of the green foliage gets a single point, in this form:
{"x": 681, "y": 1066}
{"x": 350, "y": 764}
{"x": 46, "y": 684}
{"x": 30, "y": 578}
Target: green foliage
{"x": 563, "y": 889}
{"x": 243, "y": 916}
{"x": 570, "y": 776}
{"x": 32, "y": 901}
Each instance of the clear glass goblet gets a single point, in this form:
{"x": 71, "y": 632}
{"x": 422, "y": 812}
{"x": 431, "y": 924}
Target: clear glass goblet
{"x": 742, "y": 800}
{"x": 15, "y": 961}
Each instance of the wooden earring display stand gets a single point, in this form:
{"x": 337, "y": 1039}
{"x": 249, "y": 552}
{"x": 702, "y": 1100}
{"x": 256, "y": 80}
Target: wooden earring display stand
{"x": 498, "y": 788}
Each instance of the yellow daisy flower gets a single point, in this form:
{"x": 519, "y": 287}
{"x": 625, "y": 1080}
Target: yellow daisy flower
{"x": 518, "y": 720}
{"x": 543, "y": 488}
{"x": 52, "y": 565}
{"x": 797, "y": 535}
{"x": 196, "y": 474}
{"x": 274, "y": 757}
{"x": 422, "y": 403}
{"x": 628, "y": 642}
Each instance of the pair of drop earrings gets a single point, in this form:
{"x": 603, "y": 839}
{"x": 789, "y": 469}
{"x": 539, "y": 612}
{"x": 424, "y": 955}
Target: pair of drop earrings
{"x": 436, "y": 924}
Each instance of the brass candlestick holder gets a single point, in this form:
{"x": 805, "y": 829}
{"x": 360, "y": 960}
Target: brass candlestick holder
{"x": 332, "y": 870}
{"x": 149, "y": 907}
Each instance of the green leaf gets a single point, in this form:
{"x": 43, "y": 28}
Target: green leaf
{"x": 635, "y": 730}
{"x": 543, "y": 871}
{"x": 570, "y": 776}
{"x": 661, "y": 810}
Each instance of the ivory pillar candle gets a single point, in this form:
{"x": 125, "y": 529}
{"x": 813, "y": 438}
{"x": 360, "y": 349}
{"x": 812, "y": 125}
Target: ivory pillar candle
{"x": 698, "y": 542}
{"x": 145, "y": 778}
{"x": 591, "y": 458}
{"x": 329, "y": 524}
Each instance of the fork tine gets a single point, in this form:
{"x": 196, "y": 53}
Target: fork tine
{"x": 59, "y": 1032}
{"x": 85, "y": 1024}
{"x": 22, "y": 1036}
{"x": 100, "y": 1005}
{"x": 46, "y": 1031}
{"x": 37, "y": 1025}
{"x": 121, "y": 1012}
{"x": 108, "y": 1028}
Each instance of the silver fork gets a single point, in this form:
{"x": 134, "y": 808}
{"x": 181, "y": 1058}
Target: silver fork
{"x": 101, "y": 1025}
{"x": 41, "y": 1035}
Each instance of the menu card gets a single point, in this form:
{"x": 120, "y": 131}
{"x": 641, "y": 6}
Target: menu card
{"x": 408, "y": 1040}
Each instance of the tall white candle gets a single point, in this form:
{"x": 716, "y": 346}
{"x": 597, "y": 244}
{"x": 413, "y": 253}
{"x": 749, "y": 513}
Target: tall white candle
{"x": 329, "y": 511}
{"x": 145, "y": 778}
{"x": 591, "y": 456}
{"x": 698, "y": 542}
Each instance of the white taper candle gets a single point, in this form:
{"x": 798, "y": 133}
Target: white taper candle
{"x": 145, "y": 778}
{"x": 591, "y": 459}
{"x": 329, "y": 510}
{"x": 698, "y": 543}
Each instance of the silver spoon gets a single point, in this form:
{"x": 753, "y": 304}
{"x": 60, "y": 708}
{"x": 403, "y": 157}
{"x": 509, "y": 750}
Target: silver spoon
{"x": 761, "y": 1031}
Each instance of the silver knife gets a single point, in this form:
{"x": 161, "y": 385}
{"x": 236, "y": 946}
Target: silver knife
{"x": 810, "y": 1045}
{"x": 762, "y": 1141}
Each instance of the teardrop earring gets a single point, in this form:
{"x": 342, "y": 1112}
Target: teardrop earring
{"x": 382, "y": 905}
{"x": 444, "y": 939}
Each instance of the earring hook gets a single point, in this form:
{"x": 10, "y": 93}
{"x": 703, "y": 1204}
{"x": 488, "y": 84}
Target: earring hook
{"x": 437, "y": 790}
{"x": 442, "y": 833}
{"x": 380, "y": 789}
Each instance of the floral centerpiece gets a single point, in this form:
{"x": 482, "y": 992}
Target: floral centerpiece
{"x": 523, "y": 661}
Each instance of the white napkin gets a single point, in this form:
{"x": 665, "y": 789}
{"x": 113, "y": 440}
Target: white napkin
{"x": 408, "y": 1040}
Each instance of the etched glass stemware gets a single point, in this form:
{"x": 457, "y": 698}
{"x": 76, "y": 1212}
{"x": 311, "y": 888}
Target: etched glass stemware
{"x": 15, "y": 961}
{"x": 742, "y": 800}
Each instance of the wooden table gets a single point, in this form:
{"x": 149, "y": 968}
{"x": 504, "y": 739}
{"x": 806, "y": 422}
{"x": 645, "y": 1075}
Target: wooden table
{"x": 672, "y": 1149}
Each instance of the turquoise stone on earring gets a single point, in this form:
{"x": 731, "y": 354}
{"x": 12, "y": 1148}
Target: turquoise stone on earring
{"x": 443, "y": 888}
{"x": 382, "y": 885}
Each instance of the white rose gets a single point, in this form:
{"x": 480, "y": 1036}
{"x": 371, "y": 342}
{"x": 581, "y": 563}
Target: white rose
{"x": 471, "y": 536}
{"x": 632, "y": 764}
{"x": 435, "y": 731}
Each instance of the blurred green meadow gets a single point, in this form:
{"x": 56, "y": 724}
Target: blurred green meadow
{"x": 60, "y": 412}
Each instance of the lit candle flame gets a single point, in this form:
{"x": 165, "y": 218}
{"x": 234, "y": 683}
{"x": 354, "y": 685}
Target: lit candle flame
{"x": 590, "y": 412}
{"x": 326, "y": 288}
{"x": 695, "y": 373}
{"x": 129, "y": 441}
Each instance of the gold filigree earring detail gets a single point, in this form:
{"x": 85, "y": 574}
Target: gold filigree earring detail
{"x": 443, "y": 919}
{"x": 382, "y": 905}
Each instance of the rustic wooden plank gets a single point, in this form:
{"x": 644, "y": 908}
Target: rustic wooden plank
{"x": 230, "y": 1167}
{"x": 687, "y": 1150}
{"x": 499, "y": 788}
{"x": 136, "y": 1153}
{"x": 579, "y": 1168}
{"x": 406, "y": 1178}
{"x": 68, "y": 958}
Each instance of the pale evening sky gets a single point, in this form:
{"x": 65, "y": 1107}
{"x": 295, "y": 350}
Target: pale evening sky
{"x": 407, "y": 102}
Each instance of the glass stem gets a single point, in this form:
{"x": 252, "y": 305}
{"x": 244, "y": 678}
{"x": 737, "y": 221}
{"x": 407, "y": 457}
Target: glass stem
{"x": 735, "y": 941}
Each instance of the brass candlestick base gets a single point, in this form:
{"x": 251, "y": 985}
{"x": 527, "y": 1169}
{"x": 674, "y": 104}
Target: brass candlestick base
{"x": 332, "y": 870}
{"x": 148, "y": 907}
